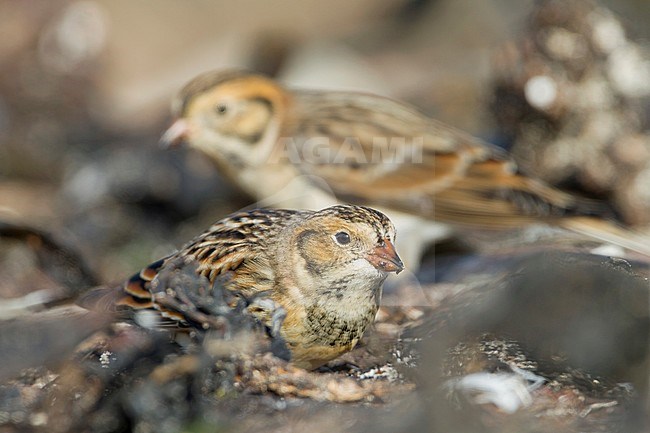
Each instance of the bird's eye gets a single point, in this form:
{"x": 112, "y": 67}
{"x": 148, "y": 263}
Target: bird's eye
{"x": 221, "y": 109}
{"x": 342, "y": 238}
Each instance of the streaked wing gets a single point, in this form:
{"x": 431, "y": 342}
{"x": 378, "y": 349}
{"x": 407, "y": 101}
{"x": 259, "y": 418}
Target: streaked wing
{"x": 382, "y": 152}
{"x": 229, "y": 255}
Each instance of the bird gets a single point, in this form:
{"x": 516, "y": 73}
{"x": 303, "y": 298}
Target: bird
{"x": 324, "y": 268}
{"x": 310, "y": 149}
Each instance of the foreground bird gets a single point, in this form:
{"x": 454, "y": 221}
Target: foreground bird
{"x": 310, "y": 149}
{"x": 324, "y": 268}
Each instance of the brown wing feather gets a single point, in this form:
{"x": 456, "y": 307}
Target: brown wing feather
{"x": 429, "y": 169}
{"x": 233, "y": 248}
{"x": 134, "y": 294}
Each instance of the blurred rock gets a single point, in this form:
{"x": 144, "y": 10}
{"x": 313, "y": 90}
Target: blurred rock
{"x": 48, "y": 265}
{"x": 571, "y": 95}
{"x": 581, "y": 322}
{"x": 44, "y": 339}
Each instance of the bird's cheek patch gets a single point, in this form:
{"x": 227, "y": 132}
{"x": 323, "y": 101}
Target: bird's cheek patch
{"x": 251, "y": 124}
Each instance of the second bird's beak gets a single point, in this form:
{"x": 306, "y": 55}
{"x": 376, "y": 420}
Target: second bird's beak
{"x": 385, "y": 258}
{"x": 175, "y": 134}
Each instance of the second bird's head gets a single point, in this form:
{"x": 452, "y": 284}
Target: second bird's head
{"x": 232, "y": 116}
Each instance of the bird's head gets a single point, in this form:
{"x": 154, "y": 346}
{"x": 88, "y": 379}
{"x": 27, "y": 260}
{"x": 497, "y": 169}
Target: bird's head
{"x": 347, "y": 246}
{"x": 233, "y": 116}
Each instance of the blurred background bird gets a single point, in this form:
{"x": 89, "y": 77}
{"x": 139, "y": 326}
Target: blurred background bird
{"x": 308, "y": 149}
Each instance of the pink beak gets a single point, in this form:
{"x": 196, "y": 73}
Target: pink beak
{"x": 385, "y": 258}
{"x": 175, "y": 134}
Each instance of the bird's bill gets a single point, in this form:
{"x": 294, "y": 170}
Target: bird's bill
{"x": 385, "y": 258}
{"x": 175, "y": 134}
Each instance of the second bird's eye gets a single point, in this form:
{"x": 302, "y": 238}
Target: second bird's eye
{"x": 342, "y": 238}
{"x": 221, "y": 109}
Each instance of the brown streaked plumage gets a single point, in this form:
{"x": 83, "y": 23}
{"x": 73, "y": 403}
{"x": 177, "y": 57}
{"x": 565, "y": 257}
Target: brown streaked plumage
{"x": 325, "y": 268}
{"x": 444, "y": 175}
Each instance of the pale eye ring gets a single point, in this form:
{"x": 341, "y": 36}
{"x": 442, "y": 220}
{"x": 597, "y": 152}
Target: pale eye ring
{"x": 221, "y": 109}
{"x": 342, "y": 238}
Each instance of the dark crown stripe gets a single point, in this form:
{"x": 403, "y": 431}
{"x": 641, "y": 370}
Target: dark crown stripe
{"x": 205, "y": 82}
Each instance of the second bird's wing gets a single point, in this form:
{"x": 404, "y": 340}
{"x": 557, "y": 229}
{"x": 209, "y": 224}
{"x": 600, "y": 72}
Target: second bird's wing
{"x": 378, "y": 151}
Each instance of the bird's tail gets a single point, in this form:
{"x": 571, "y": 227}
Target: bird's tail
{"x": 608, "y": 232}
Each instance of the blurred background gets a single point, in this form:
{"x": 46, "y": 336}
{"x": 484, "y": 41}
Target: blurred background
{"x": 86, "y": 85}
{"x": 85, "y": 91}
